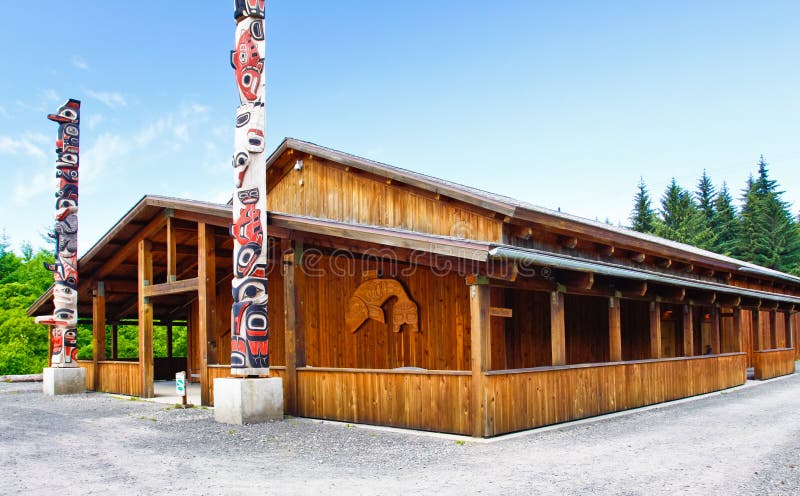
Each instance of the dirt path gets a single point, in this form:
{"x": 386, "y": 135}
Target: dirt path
{"x": 743, "y": 442}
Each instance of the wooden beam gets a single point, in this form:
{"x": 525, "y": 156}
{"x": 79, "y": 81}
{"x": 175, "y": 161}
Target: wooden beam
{"x": 523, "y": 232}
{"x": 207, "y": 301}
{"x": 702, "y": 297}
{"x": 172, "y": 252}
{"x": 558, "y": 349}
{"x": 480, "y": 354}
{"x": 631, "y": 288}
{"x": 211, "y": 220}
{"x": 671, "y": 293}
{"x": 120, "y": 286}
{"x": 664, "y": 263}
{"x": 576, "y": 280}
{"x": 289, "y": 325}
{"x": 614, "y": 330}
{"x": 716, "y": 341}
{"x": 502, "y": 270}
{"x": 98, "y": 329}
{"x": 168, "y": 288}
{"x": 758, "y": 341}
{"x": 789, "y": 326}
{"x": 606, "y": 250}
{"x": 568, "y": 242}
{"x": 655, "y": 329}
{"x": 688, "y": 330}
{"x": 639, "y": 257}
{"x": 737, "y": 329}
{"x": 727, "y": 300}
{"x": 120, "y": 255}
{"x": 145, "y": 319}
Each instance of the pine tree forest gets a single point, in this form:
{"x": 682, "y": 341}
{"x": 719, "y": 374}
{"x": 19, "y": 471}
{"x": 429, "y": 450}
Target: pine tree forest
{"x": 762, "y": 229}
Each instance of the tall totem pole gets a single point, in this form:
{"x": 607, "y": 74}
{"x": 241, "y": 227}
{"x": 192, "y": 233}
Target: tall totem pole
{"x": 63, "y": 323}
{"x": 249, "y": 322}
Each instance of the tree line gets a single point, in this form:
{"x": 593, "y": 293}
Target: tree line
{"x": 762, "y": 230}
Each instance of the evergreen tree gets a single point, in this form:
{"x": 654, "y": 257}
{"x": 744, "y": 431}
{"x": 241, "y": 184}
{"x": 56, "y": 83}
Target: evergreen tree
{"x": 643, "y": 218}
{"x": 725, "y": 223}
{"x": 705, "y": 198}
{"x": 768, "y": 234}
{"x": 682, "y": 220}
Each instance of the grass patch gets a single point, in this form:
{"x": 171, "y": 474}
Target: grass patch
{"x": 461, "y": 442}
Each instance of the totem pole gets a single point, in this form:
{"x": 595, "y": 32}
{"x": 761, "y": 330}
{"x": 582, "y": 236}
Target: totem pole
{"x": 249, "y": 322}
{"x": 63, "y": 323}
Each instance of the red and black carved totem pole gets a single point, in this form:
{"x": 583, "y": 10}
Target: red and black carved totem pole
{"x": 63, "y": 323}
{"x": 249, "y": 322}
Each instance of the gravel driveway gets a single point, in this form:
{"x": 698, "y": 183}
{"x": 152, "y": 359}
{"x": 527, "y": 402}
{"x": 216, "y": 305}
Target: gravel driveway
{"x": 741, "y": 442}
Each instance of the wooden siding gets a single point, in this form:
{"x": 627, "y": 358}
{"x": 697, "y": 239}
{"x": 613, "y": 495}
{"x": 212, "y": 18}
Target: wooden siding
{"x": 325, "y": 190}
{"x": 525, "y": 399}
{"x": 527, "y": 332}
{"x": 586, "y": 329}
{"x": 774, "y": 363}
{"x": 89, "y": 366}
{"x": 432, "y": 400}
{"x": 635, "y": 317}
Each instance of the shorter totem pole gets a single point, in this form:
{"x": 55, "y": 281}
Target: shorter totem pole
{"x": 63, "y": 323}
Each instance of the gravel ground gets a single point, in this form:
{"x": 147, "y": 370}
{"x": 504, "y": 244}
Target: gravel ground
{"x": 741, "y": 442}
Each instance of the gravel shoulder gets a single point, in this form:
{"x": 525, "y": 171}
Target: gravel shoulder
{"x": 741, "y": 442}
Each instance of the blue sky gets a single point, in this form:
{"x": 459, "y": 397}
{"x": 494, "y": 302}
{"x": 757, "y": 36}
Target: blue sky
{"x": 563, "y": 104}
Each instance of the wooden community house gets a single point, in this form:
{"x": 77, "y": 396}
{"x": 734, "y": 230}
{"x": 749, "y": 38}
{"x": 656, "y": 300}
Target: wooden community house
{"x": 403, "y": 300}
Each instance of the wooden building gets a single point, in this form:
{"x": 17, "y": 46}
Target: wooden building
{"x": 399, "y": 299}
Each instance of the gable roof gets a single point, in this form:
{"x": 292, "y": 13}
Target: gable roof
{"x": 521, "y": 210}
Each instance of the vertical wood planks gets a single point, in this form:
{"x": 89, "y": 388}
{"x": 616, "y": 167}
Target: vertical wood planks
{"x": 145, "y": 319}
{"x": 207, "y": 295}
{"x": 291, "y": 255}
{"x": 758, "y": 341}
{"x": 774, "y": 363}
{"x": 716, "y": 345}
{"x": 737, "y": 329}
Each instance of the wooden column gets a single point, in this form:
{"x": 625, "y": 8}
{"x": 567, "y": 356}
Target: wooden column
{"x": 688, "y": 330}
{"x": 169, "y": 339}
{"x": 98, "y": 329}
{"x": 789, "y": 330}
{"x": 172, "y": 252}
{"x": 614, "y": 330}
{"x": 114, "y": 339}
{"x": 773, "y": 329}
{"x": 716, "y": 342}
{"x": 294, "y": 337}
{"x": 207, "y": 301}
{"x": 480, "y": 353}
{"x": 145, "y": 318}
{"x": 558, "y": 343}
{"x": 655, "y": 329}
{"x": 758, "y": 342}
{"x": 737, "y": 328}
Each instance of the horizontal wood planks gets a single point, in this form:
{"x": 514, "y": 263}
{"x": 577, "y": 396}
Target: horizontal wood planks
{"x": 526, "y": 399}
{"x": 774, "y": 363}
{"x": 433, "y": 401}
{"x": 323, "y": 189}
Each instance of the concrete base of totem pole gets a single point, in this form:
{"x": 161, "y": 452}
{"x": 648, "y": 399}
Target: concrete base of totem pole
{"x": 248, "y": 401}
{"x": 58, "y": 381}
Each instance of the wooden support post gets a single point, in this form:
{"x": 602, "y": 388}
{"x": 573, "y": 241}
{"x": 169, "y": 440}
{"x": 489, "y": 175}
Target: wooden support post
{"x": 558, "y": 343}
{"x": 655, "y": 329}
{"x": 758, "y": 342}
{"x": 114, "y": 339}
{"x": 172, "y": 255}
{"x": 614, "y": 330}
{"x": 169, "y": 339}
{"x": 481, "y": 353}
{"x": 98, "y": 328}
{"x": 688, "y": 330}
{"x": 293, "y": 331}
{"x": 773, "y": 329}
{"x": 207, "y": 299}
{"x": 716, "y": 342}
{"x": 737, "y": 328}
{"x": 145, "y": 318}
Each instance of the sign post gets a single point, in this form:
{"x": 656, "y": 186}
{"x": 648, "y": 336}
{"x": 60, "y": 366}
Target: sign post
{"x": 180, "y": 387}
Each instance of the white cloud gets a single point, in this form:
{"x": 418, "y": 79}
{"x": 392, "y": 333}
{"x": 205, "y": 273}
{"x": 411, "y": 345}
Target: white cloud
{"x": 25, "y": 145}
{"x": 94, "y": 120}
{"x": 80, "y": 63}
{"x": 109, "y": 151}
{"x": 109, "y": 98}
{"x": 34, "y": 186}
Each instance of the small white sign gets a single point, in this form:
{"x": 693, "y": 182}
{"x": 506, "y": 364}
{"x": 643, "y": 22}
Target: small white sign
{"x": 180, "y": 383}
